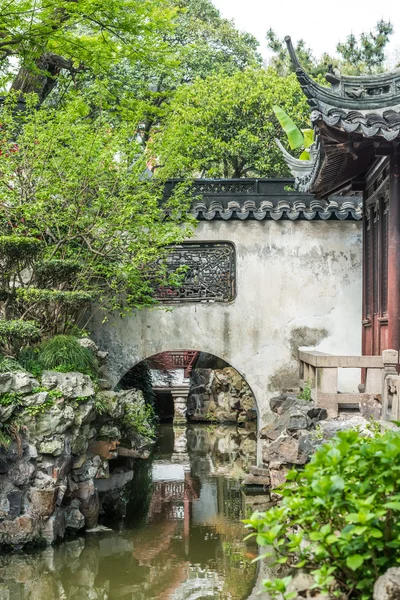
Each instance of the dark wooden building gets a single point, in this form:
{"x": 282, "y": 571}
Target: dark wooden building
{"x": 357, "y": 151}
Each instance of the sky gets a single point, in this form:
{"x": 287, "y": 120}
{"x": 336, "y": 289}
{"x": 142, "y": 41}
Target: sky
{"x": 321, "y": 24}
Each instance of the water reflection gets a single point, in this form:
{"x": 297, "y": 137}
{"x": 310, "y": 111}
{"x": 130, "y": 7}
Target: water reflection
{"x": 181, "y": 538}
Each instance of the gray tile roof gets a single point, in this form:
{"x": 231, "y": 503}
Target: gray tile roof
{"x": 346, "y": 208}
{"x": 368, "y": 124}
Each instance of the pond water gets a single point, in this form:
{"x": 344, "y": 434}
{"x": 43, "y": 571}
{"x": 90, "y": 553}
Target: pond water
{"x": 180, "y": 539}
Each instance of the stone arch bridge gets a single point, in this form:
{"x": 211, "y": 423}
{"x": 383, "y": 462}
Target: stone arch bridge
{"x": 269, "y": 270}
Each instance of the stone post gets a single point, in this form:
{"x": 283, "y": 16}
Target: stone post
{"x": 373, "y": 380}
{"x": 180, "y": 395}
{"x": 327, "y": 383}
{"x": 390, "y": 359}
{"x": 391, "y": 386}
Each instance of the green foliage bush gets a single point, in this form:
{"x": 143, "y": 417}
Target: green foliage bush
{"x": 19, "y": 329}
{"x": 140, "y": 418}
{"x": 5, "y": 439}
{"x": 39, "y": 409}
{"x": 9, "y": 398}
{"x": 15, "y": 333}
{"x": 66, "y": 298}
{"x": 339, "y": 518}
{"x": 28, "y": 358}
{"x": 135, "y": 417}
{"x": 9, "y": 365}
{"x": 11, "y": 431}
{"x": 49, "y": 273}
{"x": 100, "y": 405}
{"x": 17, "y": 247}
{"x": 305, "y": 393}
{"x": 64, "y": 353}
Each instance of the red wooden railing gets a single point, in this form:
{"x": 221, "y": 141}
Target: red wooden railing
{"x": 177, "y": 359}
{"x": 183, "y": 359}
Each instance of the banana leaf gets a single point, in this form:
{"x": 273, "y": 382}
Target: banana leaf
{"x": 308, "y": 137}
{"x": 294, "y": 135}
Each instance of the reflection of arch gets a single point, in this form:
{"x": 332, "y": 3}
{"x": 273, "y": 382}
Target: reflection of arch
{"x": 190, "y": 353}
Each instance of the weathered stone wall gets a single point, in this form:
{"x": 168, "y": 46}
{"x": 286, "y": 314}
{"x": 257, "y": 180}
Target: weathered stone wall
{"x": 298, "y": 283}
{"x": 58, "y": 469}
{"x": 220, "y": 395}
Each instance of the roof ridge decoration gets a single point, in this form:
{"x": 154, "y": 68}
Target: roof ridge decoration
{"x": 367, "y": 92}
{"x": 304, "y": 171}
{"x": 350, "y": 119}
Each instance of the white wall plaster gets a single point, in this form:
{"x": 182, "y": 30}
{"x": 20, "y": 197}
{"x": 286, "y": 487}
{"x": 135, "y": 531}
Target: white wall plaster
{"x": 290, "y": 274}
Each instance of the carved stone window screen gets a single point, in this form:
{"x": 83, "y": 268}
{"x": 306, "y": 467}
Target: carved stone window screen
{"x": 210, "y": 275}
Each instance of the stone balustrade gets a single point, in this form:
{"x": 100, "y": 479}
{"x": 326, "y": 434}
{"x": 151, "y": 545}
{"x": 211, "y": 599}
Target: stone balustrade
{"x": 320, "y": 372}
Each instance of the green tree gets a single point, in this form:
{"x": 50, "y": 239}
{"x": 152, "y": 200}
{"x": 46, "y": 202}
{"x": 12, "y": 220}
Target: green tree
{"x": 200, "y": 43}
{"x": 75, "y": 190}
{"x": 74, "y": 180}
{"x": 366, "y": 55}
{"x": 355, "y": 56}
{"x": 224, "y": 126}
{"x": 281, "y": 60}
{"x": 45, "y": 38}
{"x": 204, "y": 44}
{"x": 209, "y": 43}
{"x": 128, "y": 55}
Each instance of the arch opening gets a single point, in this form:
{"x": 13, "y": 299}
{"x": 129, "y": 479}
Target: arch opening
{"x": 193, "y": 386}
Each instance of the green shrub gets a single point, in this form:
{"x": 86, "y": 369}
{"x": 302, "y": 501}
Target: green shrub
{"x": 141, "y": 418}
{"x": 17, "y": 247}
{"x": 9, "y": 365}
{"x": 39, "y": 409}
{"x": 137, "y": 416}
{"x": 28, "y": 358}
{"x": 15, "y": 333}
{"x": 64, "y": 353}
{"x": 100, "y": 405}
{"x": 26, "y": 330}
{"x": 49, "y": 273}
{"x": 210, "y": 417}
{"x": 5, "y": 439}
{"x": 305, "y": 394}
{"x": 339, "y": 518}
{"x": 9, "y": 398}
{"x": 11, "y": 431}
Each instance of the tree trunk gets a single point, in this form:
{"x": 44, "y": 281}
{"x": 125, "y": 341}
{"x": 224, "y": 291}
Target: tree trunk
{"x": 237, "y": 173}
{"x": 43, "y": 78}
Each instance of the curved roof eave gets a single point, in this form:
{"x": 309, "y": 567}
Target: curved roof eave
{"x": 366, "y": 92}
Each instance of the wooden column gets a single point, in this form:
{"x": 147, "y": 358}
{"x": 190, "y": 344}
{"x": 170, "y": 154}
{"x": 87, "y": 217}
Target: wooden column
{"x": 394, "y": 254}
{"x": 366, "y": 320}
